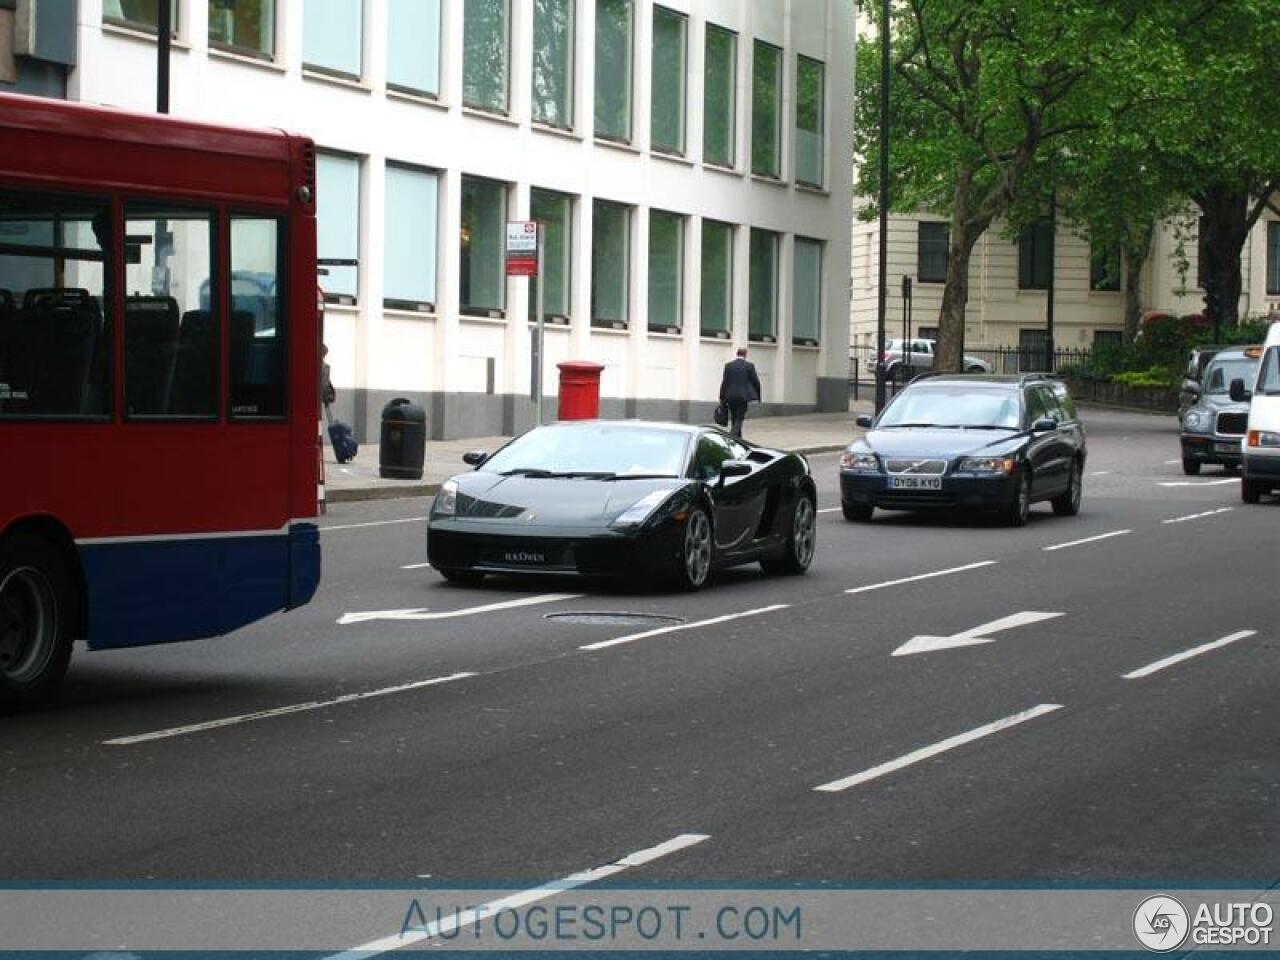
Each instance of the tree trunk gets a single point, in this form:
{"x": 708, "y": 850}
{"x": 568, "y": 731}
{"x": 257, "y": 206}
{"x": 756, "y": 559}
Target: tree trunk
{"x": 1136, "y": 252}
{"x": 1224, "y": 232}
{"x": 948, "y": 355}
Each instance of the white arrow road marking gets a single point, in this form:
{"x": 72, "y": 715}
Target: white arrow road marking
{"x": 1187, "y": 655}
{"x": 282, "y": 711}
{"x": 975, "y": 636}
{"x": 421, "y": 613}
{"x": 1076, "y": 543}
{"x": 1198, "y": 483}
{"x": 1197, "y": 516}
{"x": 461, "y": 919}
{"x": 924, "y": 753}
{"x": 601, "y": 645}
{"x": 923, "y": 576}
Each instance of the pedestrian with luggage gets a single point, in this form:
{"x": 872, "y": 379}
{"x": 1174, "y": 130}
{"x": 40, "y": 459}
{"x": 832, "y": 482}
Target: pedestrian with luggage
{"x": 738, "y": 387}
{"x": 341, "y": 435}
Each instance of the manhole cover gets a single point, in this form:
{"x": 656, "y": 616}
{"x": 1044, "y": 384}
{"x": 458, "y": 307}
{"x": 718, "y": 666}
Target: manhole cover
{"x": 607, "y": 618}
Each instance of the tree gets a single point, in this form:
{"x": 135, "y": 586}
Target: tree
{"x": 982, "y": 93}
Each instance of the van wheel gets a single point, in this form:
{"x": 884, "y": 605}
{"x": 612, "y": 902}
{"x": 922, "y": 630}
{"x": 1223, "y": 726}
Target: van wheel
{"x": 35, "y": 622}
{"x": 1190, "y": 467}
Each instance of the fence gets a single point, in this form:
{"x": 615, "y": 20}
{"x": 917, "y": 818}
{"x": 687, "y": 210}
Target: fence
{"x": 1029, "y": 359}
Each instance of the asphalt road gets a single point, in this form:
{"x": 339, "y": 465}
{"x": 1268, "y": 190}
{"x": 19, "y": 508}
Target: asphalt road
{"x": 492, "y": 745}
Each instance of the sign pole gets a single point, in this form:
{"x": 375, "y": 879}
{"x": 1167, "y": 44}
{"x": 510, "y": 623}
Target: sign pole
{"x": 537, "y": 349}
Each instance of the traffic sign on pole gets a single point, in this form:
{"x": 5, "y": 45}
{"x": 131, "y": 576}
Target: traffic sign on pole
{"x": 522, "y": 248}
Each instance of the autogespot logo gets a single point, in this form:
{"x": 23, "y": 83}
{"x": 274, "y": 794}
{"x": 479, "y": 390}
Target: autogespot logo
{"x": 1160, "y": 923}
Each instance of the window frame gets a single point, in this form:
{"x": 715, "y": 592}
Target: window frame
{"x": 253, "y": 52}
{"x": 774, "y": 173}
{"x": 821, "y": 246}
{"x": 571, "y": 94}
{"x": 630, "y": 134}
{"x": 473, "y": 310}
{"x": 1106, "y": 255}
{"x": 682, "y": 148}
{"x": 557, "y": 318}
{"x": 821, "y": 132}
{"x": 283, "y": 300}
{"x": 771, "y": 336}
{"x": 732, "y": 106}
{"x": 1273, "y": 258}
{"x": 397, "y": 303}
{"x": 1029, "y": 255}
{"x": 144, "y": 27}
{"x": 328, "y": 71}
{"x": 405, "y": 88}
{"x": 609, "y": 323}
{"x": 353, "y": 263}
{"x": 681, "y": 221}
{"x": 507, "y": 47}
{"x": 730, "y": 237}
{"x": 923, "y": 253}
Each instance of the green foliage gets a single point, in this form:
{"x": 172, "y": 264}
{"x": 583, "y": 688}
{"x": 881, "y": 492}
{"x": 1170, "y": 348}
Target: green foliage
{"x": 1150, "y": 377}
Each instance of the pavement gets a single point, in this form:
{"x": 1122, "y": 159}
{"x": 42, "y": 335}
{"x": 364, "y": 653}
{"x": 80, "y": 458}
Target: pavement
{"x": 359, "y": 479}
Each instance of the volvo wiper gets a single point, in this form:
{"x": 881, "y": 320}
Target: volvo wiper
{"x": 641, "y": 476}
{"x": 536, "y": 472}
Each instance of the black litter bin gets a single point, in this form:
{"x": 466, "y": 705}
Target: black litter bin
{"x": 404, "y": 440}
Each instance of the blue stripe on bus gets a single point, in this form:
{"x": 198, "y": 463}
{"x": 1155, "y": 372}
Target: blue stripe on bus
{"x": 163, "y": 591}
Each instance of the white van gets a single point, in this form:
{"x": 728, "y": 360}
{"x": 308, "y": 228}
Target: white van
{"x": 1261, "y": 468}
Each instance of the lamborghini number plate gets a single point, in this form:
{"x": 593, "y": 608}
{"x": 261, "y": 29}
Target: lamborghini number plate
{"x": 915, "y": 483}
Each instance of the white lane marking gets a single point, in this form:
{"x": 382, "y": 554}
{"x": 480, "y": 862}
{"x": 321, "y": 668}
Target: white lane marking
{"x": 415, "y": 566}
{"x": 975, "y": 636}
{"x": 1076, "y": 543}
{"x": 923, "y": 576}
{"x": 1169, "y": 463}
{"x": 683, "y": 626}
{"x": 282, "y": 711}
{"x": 924, "y": 753}
{"x": 461, "y": 919}
{"x": 828, "y": 510}
{"x": 1100, "y": 473}
{"x": 375, "y": 523}
{"x": 421, "y": 613}
{"x": 1187, "y": 655}
{"x": 1198, "y": 483}
{"x": 1197, "y": 516}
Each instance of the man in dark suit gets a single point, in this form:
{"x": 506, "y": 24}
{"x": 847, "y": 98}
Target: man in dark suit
{"x": 738, "y": 387}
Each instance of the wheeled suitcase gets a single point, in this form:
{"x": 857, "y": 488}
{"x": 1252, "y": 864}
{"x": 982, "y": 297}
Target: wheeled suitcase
{"x": 341, "y": 436}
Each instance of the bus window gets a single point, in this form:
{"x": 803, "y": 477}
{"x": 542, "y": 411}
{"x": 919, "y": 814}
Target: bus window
{"x": 55, "y": 332}
{"x": 171, "y": 328}
{"x": 259, "y": 344}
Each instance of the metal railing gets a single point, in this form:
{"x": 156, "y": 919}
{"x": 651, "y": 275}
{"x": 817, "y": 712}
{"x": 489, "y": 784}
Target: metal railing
{"x": 1031, "y": 359}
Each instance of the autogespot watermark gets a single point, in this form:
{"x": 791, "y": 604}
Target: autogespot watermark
{"x": 1161, "y": 924}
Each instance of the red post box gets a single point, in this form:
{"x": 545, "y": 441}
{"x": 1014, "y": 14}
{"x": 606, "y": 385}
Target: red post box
{"x": 579, "y": 389}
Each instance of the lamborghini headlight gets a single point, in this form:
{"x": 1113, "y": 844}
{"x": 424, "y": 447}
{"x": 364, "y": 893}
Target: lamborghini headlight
{"x": 642, "y": 509}
{"x": 446, "y": 502}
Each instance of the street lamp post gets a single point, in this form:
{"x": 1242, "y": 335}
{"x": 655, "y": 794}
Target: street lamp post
{"x": 883, "y": 295}
{"x": 1053, "y": 257}
{"x": 164, "y": 32}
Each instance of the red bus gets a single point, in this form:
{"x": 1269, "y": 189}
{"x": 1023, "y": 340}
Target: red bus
{"x": 159, "y": 368}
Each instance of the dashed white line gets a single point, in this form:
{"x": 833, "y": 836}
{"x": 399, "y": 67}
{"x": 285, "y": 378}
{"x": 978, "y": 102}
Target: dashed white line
{"x": 828, "y": 510}
{"x": 601, "y": 645}
{"x": 1198, "y": 516}
{"x": 1187, "y": 655}
{"x": 281, "y": 711}
{"x": 922, "y": 576}
{"x": 421, "y": 613}
{"x": 1076, "y": 543}
{"x": 951, "y": 743}
{"x": 1198, "y": 483}
{"x": 374, "y": 523}
{"x": 1169, "y": 463}
{"x": 461, "y": 919}
{"x": 415, "y": 566}
{"x": 1100, "y": 473}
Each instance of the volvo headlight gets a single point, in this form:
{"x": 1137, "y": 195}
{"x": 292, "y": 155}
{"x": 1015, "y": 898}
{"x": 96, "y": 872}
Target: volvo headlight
{"x": 859, "y": 462}
{"x": 641, "y": 510}
{"x": 446, "y": 502}
{"x": 1264, "y": 438}
{"x": 1196, "y": 420}
{"x": 987, "y": 466}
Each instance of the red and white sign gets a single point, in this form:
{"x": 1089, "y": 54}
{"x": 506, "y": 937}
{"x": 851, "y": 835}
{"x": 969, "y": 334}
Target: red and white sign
{"x": 522, "y": 248}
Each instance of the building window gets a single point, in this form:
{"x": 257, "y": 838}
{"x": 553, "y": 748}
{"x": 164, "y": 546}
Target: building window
{"x": 259, "y": 334}
{"x": 555, "y": 212}
{"x": 666, "y": 271}
{"x": 1035, "y": 256}
{"x": 717, "y": 279}
{"x": 610, "y": 257}
{"x": 806, "y": 302}
{"x": 1108, "y": 338}
{"x": 810, "y": 113}
{"x": 766, "y": 112}
{"x": 927, "y": 333}
{"x": 338, "y": 225}
{"x": 553, "y": 33}
{"x": 1104, "y": 267}
{"x": 486, "y": 44}
{"x": 763, "y": 308}
{"x": 56, "y": 352}
{"x": 409, "y": 251}
{"x": 483, "y": 261}
{"x": 413, "y": 46}
{"x": 333, "y": 36}
{"x": 139, "y": 14}
{"x": 1202, "y": 252}
{"x": 670, "y": 51}
{"x": 1273, "y": 258}
{"x": 932, "y": 238}
{"x": 171, "y": 365}
{"x": 719, "y": 97}
{"x": 1033, "y": 350}
{"x": 613, "y": 69}
{"x": 245, "y": 26}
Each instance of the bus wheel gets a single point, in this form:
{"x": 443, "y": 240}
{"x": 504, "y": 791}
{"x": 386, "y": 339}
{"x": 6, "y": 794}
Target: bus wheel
{"x": 35, "y": 620}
